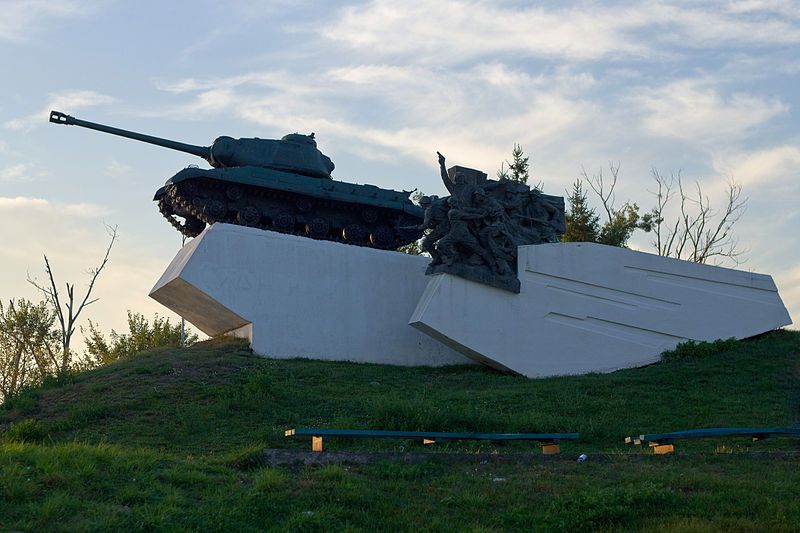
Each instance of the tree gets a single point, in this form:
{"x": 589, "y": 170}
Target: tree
{"x": 67, "y": 309}
{"x": 517, "y": 168}
{"x": 582, "y": 221}
{"x": 620, "y": 223}
{"x": 699, "y": 233}
{"x": 141, "y": 336}
{"x": 28, "y": 345}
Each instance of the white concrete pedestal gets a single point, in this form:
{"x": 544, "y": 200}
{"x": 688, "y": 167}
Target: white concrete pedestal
{"x": 593, "y": 308}
{"x": 297, "y": 297}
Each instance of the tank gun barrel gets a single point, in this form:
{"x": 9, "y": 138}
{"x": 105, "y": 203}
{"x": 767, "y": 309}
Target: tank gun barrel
{"x": 201, "y": 151}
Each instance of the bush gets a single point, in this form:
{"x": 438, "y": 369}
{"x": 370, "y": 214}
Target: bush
{"x": 699, "y": 350}
{"x": 142, "y": 336}
{"x": 26, "y": 431}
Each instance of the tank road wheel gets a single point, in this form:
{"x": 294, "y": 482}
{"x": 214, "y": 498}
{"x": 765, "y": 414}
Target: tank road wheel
{"x": 233, "y": 192}
{"x": 165, "y": 208}
{"x": 370, "y": 215}
{"x": 215, "y": 210}
{"x": 283, "y": 221}
{"x": 249, "y": 216}
{"x": 303, "y": 205}
{"x": 194, "y": 227}
{"x": 382, "y": 237}
{"x": 354, "y": 233}
{"x": 318, "y": 228}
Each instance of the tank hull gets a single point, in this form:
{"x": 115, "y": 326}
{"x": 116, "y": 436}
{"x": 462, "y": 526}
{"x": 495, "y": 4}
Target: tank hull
{"x": 326, "y": 209}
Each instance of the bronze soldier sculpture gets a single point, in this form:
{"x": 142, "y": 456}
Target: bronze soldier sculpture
{"x": 486, "y": 220}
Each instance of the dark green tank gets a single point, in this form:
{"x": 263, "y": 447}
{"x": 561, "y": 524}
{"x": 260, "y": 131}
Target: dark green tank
{"x": 283, "y": 185}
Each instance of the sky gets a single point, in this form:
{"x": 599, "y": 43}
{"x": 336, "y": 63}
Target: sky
{"x": 708, "y": 89}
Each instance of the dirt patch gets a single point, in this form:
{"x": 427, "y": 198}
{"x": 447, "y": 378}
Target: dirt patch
{"x": 277, "y": 457}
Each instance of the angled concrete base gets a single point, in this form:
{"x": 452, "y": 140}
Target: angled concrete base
{"x": 296, "y": 297}
{"x": 593, "y": 308}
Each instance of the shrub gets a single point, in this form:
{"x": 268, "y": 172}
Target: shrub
{"x": 698, "y": 350}
{"x": 26, "y": 431}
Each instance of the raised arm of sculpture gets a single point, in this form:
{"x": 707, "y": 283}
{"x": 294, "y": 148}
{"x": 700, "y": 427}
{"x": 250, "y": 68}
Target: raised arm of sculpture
{"x": 442, "y": 168}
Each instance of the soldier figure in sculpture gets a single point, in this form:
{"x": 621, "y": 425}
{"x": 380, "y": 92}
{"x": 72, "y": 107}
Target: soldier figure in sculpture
{"x": 495, "y": 235}
{"x": 435, "y": 220}
{"x": 460, "y": 241}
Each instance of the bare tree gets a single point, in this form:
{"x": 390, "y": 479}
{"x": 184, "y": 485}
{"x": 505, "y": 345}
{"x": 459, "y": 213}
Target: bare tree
{"x": 602, "y": 188}
{"x": 68, "y": 308}
{"x": 699, "y": 233}
{"x": 620, "y": 223}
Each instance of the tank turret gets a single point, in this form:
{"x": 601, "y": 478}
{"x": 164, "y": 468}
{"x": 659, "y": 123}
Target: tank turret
{"x": 283, "y": 185}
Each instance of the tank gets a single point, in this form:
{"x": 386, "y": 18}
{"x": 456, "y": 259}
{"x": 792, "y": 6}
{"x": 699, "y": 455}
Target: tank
{"x": 282, "y": 185}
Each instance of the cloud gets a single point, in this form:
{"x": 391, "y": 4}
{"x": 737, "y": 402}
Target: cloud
{"x": 117, "y": 170}
{"x": 15, "y": 173}
{"x": 450, "y": 31}
{"x": 776, "y": 166}
{"x": 68, "y": 102}
{"x": 695, "y": 110}
{"x": 22, "y": 18}
{"x": 785, "y": 8}
{"x": 25, "y": 203}
{"x": 416, "y": 107}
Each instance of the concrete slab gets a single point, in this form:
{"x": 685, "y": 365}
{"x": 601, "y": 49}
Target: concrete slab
{"x": 297, "y": 297}
{"x": 592, "y": 308}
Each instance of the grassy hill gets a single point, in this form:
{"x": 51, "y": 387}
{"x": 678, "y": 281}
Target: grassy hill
{"x": 172, "y": 439}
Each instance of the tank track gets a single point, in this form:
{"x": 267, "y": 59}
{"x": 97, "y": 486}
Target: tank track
{"x": 203, "y": 201}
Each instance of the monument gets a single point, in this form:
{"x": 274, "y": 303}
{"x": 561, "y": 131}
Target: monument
{"x": 272, "y": 260}
{"x": 282, "y": 185}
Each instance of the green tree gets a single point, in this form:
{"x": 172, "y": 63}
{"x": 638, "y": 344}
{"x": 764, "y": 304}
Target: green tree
{"x": 618, "y": 229}
{"x": 141, "y": 336}
{"x": 582, "y": 220}
{"x": 518, "y": 167}
{"x": 29, "y": 345}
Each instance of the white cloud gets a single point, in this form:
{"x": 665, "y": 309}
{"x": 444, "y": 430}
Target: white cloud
{"x": 416, "y": 106}
{"x": 15, "y": 173}
{"x": 777, "y": 166}
{"x": 79, "y": 210}
{"x": 694, "y": 110}
{"x": 787, "y": 8}
{"x": 118, "y": 170}
{"x": 67, "y": 102}
{"x": 21, "y": 18}
{"x": 22, "y": 202}
{"x": 448, "y": 31}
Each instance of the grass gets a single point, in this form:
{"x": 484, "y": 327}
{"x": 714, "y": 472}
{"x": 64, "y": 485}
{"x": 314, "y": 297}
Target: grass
{"x": 170, "y": 440}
